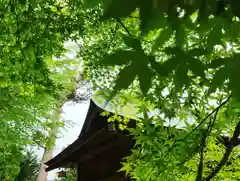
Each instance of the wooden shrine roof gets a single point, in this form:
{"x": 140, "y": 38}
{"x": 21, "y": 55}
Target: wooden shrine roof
{"x": 99, "y": 148}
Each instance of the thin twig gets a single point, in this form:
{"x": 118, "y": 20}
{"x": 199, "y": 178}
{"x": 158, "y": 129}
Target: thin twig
{"x": 210, "y": 127}
{"x": 125, "y": 28}
{"x": 200, "y": 165}
{"x": 209, "y": 115}
{"x": 213, "y": 121}
{"x": 211, "y": 124}
{"x": 194, "y": 152}
{"x": 38, "y": 144}
{"x": 232, "y": 143}
{"x": 129, "y": 33}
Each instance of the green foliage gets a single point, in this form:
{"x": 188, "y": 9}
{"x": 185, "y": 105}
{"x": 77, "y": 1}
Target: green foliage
{"x": 33, "y": 81}
{"x": 29, "y": 166}
{"x": 181, "y": 57}
{"x": 9, "y": 167}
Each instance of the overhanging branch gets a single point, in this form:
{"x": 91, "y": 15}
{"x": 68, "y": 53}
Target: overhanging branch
{"x": 38, "y": 144}
{"x": 200, "y": 165}
{"x": 208, "y": 116}
{"x": 232, "y": 143}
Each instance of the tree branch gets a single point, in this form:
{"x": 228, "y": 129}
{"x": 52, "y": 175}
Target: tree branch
{"x": 128, "y": 32}
{"x": 210, "y": 127}
{"x": 206, "y": 133}
{"x": 200, "y": 165}
{"x": 38, "y": 144}
{"x": 203, "y": 144}
{"x": 232, "y": 143}
{"x": 125, "y": 28}
{"x": 209, "y": 115}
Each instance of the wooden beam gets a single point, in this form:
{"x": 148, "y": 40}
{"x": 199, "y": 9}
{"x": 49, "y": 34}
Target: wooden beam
{"x": 100, "y": 149}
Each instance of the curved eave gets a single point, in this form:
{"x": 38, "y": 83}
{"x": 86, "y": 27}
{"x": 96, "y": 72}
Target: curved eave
{"x": 87, "y": 134}
{"x": 59, "y": 159}
{"x": 62, "y": 158}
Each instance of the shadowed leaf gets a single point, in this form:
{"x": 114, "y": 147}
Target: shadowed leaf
{"x": 220, "y": 76}
{"x": 197, "y": 67}
{"x": 125, "y": 77}
{"x": 120, "y": 57}
{"x": 132, "y": 42}
{"x": 217, "y": 62}
{"x": 145, "y": 77}
{"x": 118, "y": 8}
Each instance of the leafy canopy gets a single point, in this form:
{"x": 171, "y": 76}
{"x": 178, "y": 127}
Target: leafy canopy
{"x": 182, "y": 57}
{"x": 33, "y": 80}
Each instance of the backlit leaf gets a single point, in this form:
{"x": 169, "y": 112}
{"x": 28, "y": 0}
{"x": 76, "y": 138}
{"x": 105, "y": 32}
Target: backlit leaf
{"x": 157, "y": 21}
{"x": 164, "y": 36}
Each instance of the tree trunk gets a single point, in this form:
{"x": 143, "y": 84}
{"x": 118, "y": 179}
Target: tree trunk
{"x": 48, "y": 150}
{"x": 42, "y": 174}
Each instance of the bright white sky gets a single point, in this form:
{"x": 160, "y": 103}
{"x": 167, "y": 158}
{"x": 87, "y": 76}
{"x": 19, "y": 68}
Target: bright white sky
{"x": 76, "y": 113}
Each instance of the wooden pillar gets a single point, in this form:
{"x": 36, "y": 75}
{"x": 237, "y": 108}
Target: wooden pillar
{"x": 77, "y": 173}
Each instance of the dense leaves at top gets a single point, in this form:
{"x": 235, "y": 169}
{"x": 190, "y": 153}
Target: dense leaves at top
{"x": 187, "y": 22}
{"x": 31, "y": 32}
